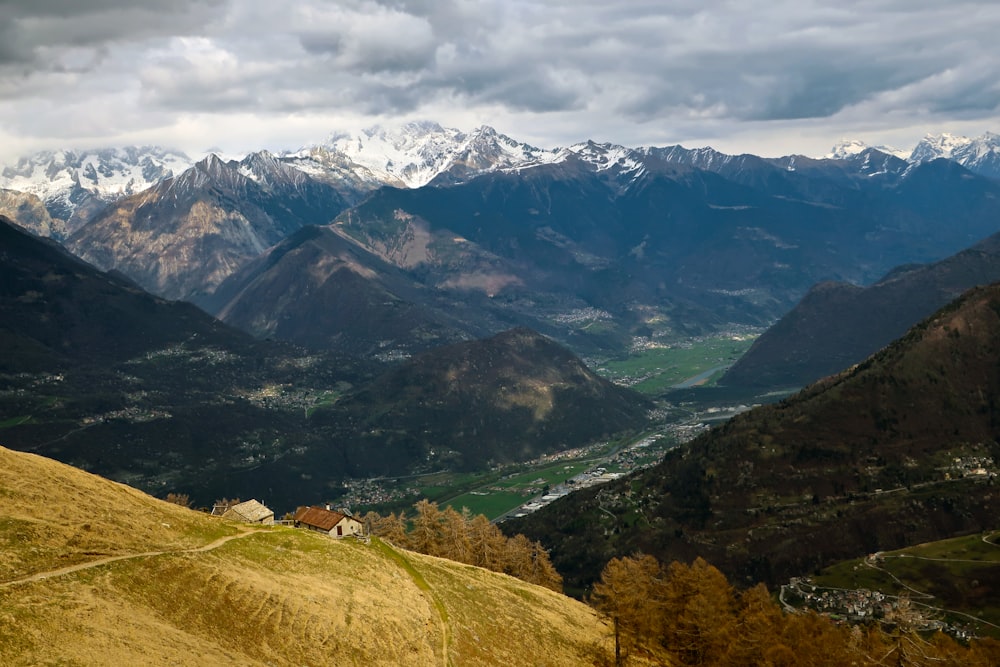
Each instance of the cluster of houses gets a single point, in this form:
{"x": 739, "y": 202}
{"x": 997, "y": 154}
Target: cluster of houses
{"x": 863, "y": 605}
{"x": 321, "y": 519}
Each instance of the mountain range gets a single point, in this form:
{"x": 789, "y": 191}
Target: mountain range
{"x": 187, "y": 233}
{"x": 666, "y": 241}
{"x": 74, "y": 184}
{"x": 600, "y": 252}
{"x": 411, "y": 155}
{"x": 980, "y": 155}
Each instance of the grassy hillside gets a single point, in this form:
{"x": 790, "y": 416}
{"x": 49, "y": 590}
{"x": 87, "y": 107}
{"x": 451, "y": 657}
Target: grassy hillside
{"x": 154, "y": 583}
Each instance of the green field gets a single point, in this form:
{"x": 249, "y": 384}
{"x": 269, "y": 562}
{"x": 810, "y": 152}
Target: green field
{"x": 34, "y": 406}
{"x": 959, "y": 575}
{"x": 324, "y": 400}
{"x": 498, "y": 492}
{"x": 509, "y": 492}
{"x": 15, "y": 421}
{"x": 654, "y": 370}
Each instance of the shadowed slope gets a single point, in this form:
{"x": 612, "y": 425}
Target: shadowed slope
{"x": 837, "y": 325}
{"x": 511, "y": 397}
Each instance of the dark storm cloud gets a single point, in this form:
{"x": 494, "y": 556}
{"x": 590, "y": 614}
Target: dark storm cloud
{"x": 746, "y": 61}
{"x": 37, "y": 33}
{"x": 371, "y": 38}
{"x": 689, "y": 64}
{"x": 769, "y": 85}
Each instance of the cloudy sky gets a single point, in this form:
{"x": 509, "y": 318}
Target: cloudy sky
{"x": 771, "y": 78}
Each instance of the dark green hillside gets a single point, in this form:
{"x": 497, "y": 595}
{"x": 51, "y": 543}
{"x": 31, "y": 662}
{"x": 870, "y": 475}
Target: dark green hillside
{"x": 102, "y": 375}
{"x": 837, "y": 324}
{"x": 57, "y": 311}
{"x": 466, "y": 406}
{"x": 899, "y": 450}
{"x": 98, "y": 373}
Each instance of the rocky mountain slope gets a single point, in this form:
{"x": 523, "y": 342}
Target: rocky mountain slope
{"x": 74, "y": 184}
{"x": 319, "y": 289}
{"x": 837, "y": 325}
{"x": 899, "y": 450}
{"x": 95, "y": 572}
{"x": 28, "y": 211}
{"x": 185, "y": 235}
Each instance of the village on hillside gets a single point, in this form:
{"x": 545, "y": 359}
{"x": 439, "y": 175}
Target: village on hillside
{"x": 866, "y": 606}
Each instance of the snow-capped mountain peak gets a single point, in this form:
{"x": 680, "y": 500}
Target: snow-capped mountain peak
{"x": 933, "y": 146}
{"x": 607, "y": 156}
{"x": 981, "y": 155}
{"x": 267, "y": 169}
{"x": 64, "y": 178}
{"x": 410, "y": 155}
{"x": 851, "y": 147}
{"x": 416, "y": 153}
{"x": 846, "y": 148}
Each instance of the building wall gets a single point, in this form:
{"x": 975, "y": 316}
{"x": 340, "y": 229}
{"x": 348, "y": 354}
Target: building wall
{"x": 348, "y": 527}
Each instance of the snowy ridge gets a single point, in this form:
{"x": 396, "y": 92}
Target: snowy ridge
{"x": 944, "y": 145}
{"x": 267, "y": 170}
{"x": 208, "y": 170}
{"x": 608, "y": 156}
{"x": 981, "y": 155}
{"x": 419, "y": 152}
{"x": 105, "y": 173}
{"x": 851, "y": 147}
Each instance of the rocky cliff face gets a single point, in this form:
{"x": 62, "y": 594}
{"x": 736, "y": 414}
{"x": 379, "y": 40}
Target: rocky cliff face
{"x": 29, "y": 212}
{"x": 184, "y": 236}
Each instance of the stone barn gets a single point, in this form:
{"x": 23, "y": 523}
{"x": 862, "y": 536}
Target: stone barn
{"x": 250, "y": 511}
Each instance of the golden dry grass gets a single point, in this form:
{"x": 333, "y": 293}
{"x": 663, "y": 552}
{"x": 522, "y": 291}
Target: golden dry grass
{"x": 53, "y": 515}
{"x": 275, "y": 597}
